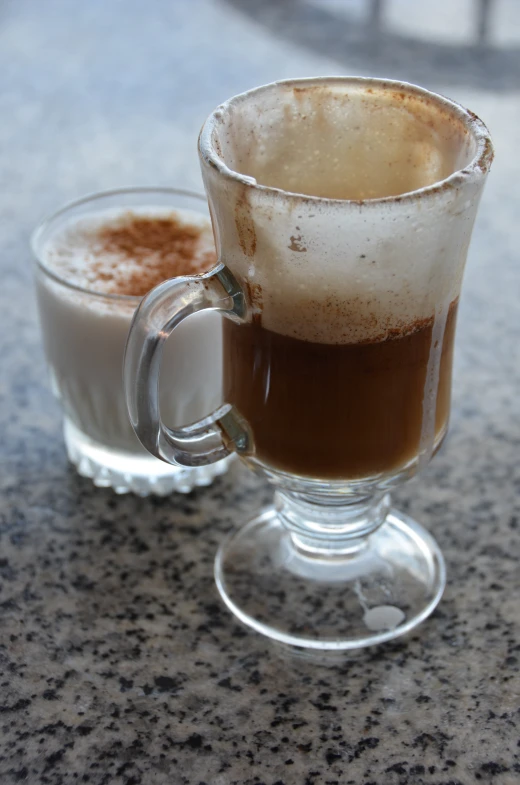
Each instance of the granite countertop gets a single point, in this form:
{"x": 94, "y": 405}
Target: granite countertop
{"x": 118, "y": 662}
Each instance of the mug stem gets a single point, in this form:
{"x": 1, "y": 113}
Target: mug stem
{"x": 331, "y": 525}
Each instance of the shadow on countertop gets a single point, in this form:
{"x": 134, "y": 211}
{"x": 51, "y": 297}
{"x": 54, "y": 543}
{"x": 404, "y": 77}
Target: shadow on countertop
{"x": 368, "y": 46}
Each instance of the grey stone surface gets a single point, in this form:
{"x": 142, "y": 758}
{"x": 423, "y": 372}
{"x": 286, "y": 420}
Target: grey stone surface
{"x": 118, "y": 663}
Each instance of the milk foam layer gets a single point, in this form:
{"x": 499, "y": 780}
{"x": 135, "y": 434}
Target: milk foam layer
{"x": 353, "y": 265}
{"x": 85, "y": 335}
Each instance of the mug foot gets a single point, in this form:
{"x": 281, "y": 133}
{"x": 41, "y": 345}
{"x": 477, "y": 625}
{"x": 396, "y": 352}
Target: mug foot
{"x": 331, "y": 602}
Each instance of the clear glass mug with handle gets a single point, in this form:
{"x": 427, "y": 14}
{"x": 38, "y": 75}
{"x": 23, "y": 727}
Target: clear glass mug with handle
{"x": 342, "y": 210}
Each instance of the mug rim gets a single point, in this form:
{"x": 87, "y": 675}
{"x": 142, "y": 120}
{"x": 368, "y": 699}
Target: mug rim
{"x": 477, "y": 167}
{"x": 46, "y": 224}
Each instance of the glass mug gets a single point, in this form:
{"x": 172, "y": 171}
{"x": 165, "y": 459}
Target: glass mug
{"x": 342, "y": 210}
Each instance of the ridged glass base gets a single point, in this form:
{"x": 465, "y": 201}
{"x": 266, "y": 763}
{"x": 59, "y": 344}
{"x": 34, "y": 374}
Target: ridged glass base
{"x": 127, "y": 473}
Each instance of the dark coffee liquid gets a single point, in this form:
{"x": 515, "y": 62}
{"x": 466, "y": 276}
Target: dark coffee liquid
{"x": 334, "y": 411}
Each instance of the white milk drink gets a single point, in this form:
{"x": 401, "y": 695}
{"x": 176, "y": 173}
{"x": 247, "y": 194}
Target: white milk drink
{"x": 93, "y": 271}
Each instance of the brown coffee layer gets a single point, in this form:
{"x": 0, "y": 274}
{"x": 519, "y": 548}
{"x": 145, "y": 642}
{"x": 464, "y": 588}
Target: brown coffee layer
{"x": 335, "y": 411}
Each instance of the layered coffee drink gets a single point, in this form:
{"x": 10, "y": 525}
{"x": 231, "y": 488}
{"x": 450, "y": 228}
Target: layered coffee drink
{"x": 343, "y": 209}
{"x": 95, "y": 268}
{"x": 342, "y": 368}
{"x": 336, "y": 411}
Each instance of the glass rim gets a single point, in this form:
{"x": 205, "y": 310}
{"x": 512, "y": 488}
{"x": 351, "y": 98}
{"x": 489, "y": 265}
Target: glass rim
{"x": 47, "y": 222}
{"x": 478, "y": 166}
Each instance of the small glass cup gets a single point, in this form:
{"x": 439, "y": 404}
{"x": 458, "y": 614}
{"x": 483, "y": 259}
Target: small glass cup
{"x": 342, "y": 210}
{"x": 84, "y": 335}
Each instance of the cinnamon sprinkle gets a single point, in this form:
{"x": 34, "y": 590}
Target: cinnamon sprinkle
{"x": 140, "y": 252}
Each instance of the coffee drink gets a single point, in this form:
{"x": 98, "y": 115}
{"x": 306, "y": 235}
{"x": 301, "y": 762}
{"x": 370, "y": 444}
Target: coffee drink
{"x": 94, "y": 270}
{"x": 342, "y": 210}
{"x": 336, "y": 411}
{"x": 343, "y": 365}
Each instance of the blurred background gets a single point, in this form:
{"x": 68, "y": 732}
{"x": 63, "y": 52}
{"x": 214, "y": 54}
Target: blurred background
{"x": 109, "y": 92}
{"x": 105, "y": 93}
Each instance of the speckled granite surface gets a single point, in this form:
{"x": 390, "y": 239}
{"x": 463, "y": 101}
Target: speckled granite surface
{"x": 118, "y": 663}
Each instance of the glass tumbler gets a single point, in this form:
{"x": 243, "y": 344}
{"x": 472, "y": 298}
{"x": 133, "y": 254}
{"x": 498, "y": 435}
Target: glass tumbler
{"x": 84, "y": 333}
{"x": 342, "y": 210}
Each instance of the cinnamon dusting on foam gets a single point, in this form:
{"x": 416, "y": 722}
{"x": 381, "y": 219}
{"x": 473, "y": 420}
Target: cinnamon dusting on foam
{"x": 330, "y": 321}
{"x": 128, "y": 253}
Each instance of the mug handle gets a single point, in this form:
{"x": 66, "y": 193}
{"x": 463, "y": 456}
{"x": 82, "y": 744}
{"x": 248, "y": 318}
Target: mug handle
{"x": 223, "y": 431}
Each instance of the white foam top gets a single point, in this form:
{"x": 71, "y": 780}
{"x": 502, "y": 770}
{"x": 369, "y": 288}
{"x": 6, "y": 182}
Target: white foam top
{"x": 305, "y": 182}
{"x": 77, "y": 252}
